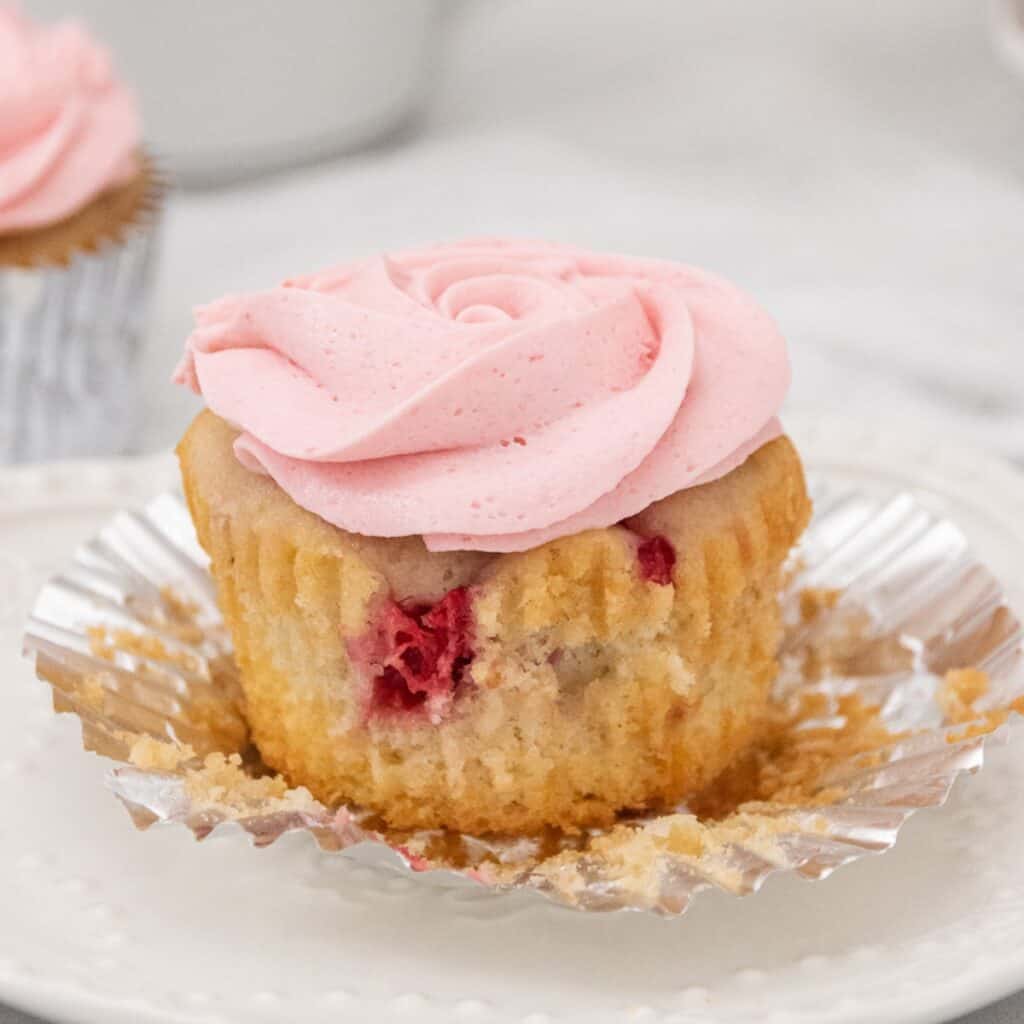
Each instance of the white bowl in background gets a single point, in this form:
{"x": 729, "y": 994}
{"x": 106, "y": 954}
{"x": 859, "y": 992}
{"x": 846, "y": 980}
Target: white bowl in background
{"x": 1007, "y": 20}
{"x": 233, "y": 87}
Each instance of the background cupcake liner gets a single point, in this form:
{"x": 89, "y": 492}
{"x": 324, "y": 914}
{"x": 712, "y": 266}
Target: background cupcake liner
{"x": 70, "y": 337}
{"x": 130, "y": 639}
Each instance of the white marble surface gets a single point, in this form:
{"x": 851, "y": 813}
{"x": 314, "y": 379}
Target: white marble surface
{"x": 857, "y": 166}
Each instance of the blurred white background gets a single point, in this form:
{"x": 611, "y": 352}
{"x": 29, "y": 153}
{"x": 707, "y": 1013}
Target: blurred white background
{"x": 858, "y": 166}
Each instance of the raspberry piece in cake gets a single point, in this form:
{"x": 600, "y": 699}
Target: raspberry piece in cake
{"x": 657, "y": 559}
{"x": 419, "y": 654}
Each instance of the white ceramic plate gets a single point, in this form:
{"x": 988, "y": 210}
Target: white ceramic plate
{"x": 105, "y": 924}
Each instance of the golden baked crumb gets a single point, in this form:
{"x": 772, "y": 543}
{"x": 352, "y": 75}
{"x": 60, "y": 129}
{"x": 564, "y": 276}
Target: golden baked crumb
{"x": 785, "y": 766}
{"x": 105, "y": 643}
{"x": 816, "y": 600}
{"x": 155, "y": 755}
{"x": 213, "y": 714}
{"x": 959, "y": 689}
{"x": 958, "y": 695}
{"x": 222, "y": 781}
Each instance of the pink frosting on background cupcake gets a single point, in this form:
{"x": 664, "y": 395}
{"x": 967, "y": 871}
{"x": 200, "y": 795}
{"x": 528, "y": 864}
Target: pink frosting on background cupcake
{"x": 69, "y": 129}
{"x": 491, "y": 395}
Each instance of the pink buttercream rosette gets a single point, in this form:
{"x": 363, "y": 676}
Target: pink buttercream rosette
{"x": 490, "y": 394}
{"x": 69, "y": 129}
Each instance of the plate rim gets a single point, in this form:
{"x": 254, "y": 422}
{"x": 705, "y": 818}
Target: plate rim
{"x": 827, "y": 441}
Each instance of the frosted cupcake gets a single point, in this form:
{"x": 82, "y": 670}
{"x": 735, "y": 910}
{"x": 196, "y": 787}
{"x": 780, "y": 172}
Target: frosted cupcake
{"x": 79, "y": 200}
{"x": 497, "y": 528}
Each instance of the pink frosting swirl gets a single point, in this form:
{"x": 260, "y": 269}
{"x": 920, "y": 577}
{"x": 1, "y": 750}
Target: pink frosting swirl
{"x": 490, "y": 394}
{"x": 68, "y": 129}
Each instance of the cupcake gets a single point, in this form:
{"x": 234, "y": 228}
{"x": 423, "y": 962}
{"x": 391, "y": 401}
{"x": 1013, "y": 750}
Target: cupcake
{"x": 79, "y": 203}
{"x": 497, "y": 528}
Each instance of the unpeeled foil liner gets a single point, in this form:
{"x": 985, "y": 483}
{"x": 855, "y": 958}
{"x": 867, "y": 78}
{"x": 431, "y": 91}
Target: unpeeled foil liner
{"x": 130, "y": 639}
{"x": 71, "y": 339}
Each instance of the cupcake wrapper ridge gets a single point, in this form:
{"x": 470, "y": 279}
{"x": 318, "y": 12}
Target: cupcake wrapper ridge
{"x": 164, "y": 678}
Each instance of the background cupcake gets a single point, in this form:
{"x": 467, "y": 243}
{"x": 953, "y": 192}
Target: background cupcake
{"x": 79, "y": 206}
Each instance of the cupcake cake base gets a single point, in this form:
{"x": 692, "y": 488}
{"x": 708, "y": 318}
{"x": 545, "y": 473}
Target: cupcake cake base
{"x": 615, "y": 668}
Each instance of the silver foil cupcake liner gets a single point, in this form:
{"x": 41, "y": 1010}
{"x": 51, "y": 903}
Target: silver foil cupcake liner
{"x": 70, "y": 340}
{"x": 884, "y": 603}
